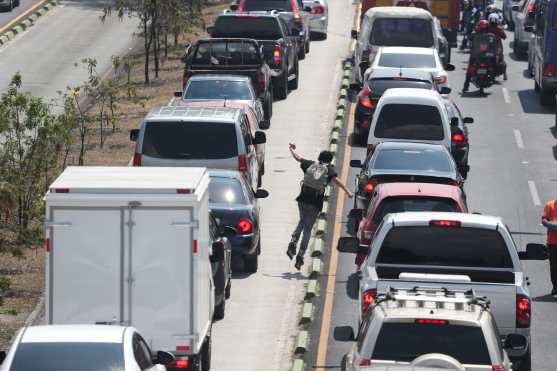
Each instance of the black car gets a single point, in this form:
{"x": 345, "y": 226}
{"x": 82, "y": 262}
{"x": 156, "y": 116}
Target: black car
{"x": 403, "y": 162}
{"x": 234, "y": 204}
{"x": 460, "y": 147}
{"x": 374, "y": 87}
{"x": 220, "y": 264}
{"x": 278, "y": 43}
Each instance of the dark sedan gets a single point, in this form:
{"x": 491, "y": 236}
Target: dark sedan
{"x": 403, "y": 162}
{"x": 234, "y": 204}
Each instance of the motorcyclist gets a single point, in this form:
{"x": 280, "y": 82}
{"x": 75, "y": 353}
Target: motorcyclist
{"x": 494, "y": 26}
{"x": 473, "y": 19}
{"x": 467, "y": 10}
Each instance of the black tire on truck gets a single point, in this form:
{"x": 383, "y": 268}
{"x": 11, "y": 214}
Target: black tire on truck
{"x": 293, "y": 84}
{"x": 220, "y": 309}
{"x": 251, "y": 262}
{"x": 524, "y": 362}
{"x": 281, "y": 86}
{"x": 206, "y": 354}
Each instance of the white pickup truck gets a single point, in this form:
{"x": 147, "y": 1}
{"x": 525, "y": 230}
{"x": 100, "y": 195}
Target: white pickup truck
{"x": 455, "y": 252}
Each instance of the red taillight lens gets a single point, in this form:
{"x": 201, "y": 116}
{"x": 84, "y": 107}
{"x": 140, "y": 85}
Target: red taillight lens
{"x": 363, "y": 97}
{"x": 523, "y": 311}
{"x": 184, "y": 191}
{"x": 531, "y": 8}
{"x": 441, "y": 79}
{"x": 549, "y": 69}
{"x": 241, "y": 7}
{"x": 471, "y": 70}
{"x": 137, "y": 159}
{"x": 179, "y": 363}
{"x": 242, "y": 163}
{"x": 368, "y": 298}
{"x": 458, "y": 139}
{"x": 365, "y": 362}
{"x": 318, "y": 10}
{"x": 277, "y": 57}
{"x": 61, "y": 190}
{"x": 483, "y": 65}
{"x": 370, "y": 186}
{"x": 428, "y": 321}
{"x": 370, "y": 148}
{"x": 497, "y": 368}
{"x": 245, "y": 226}
{"x": 47, "y": 245}
{"x": 444, "y": 223}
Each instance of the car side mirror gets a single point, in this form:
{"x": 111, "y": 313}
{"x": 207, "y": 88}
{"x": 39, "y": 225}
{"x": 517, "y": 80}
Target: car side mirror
{"x": 356, "y": 163}
{"x": 261, "y": 193}
{"x": 356, "y": 214}
{"x": 515, "y": 8}
{"x": 534, "y": 251}
{"x": 344, "y": 334}
{"x": 234, "y": 7}
{"x": 349, "y": 245}
{"x": 354, "y": 34}
{"x": 295, "y": 32}
{"x": 163, "y": 358}
{"x": 178, "y": 94}
{"x": 515, "y": 342}
{"x": 228, "y": 231}
{"x": 454, "y": 121}
{"x": 528, "y": 28}
{"x": 307, "y": 9}
{"x": 134, "y": 134}
{"x": 468, "y": 120}
{"x": 260, "y": 138}
{"x": 218, "y": 252}
{"x": 210, "y": 30}
{"x": 449, "y": 67}
{"x": 264, "y": 124}
{"x": 445, "y": 90}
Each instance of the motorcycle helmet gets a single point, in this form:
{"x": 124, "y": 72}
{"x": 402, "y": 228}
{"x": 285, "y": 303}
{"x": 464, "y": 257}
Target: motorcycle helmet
{"x": 483, "y": 25}
{"x": 493, "y": 19}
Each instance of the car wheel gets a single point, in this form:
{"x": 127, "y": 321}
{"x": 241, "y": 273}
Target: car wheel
{"x": 251, "y": 262}
{"x": 206, "y": 358}
{"x": 524, "y": 362}
{"x": 281, "y": 86}
{"x": 268, "y": 105}
{"x": 219, "y": 310}
{"x": 449, "y": 54}
{"x": 547, "y": 98}
{"x": 302, "y": 52}
{"x": 293, "y": 84}
{"x": 259, "y": 179}
{"x": 228, "y": 290}
{"x": 307, "y": 46}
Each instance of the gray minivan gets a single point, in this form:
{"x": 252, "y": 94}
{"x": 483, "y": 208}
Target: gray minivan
{"x": 391, "y": 26}
{"x": 216, "y": 138}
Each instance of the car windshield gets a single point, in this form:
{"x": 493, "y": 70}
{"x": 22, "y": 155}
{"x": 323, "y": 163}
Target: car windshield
{"x": 391, "y": 205}
{"x": 225, "y": 53}
{"x": 218, "y": 89}
{"x": 226, "y": 191}
{"x": 68, "y": 357}
{"x": 264, "y": 5}
{"x": 400, "y": 60}
{"x": 190, "y": 140}
{"x": 404, "y": 342}
{"x": 402, "y": 32}
{"x": 258, "y": 28}
{"x": 427, "y": 160}
{"x": 380, "y": 85}
{"x": 409, "y": 121}
{"x": 445, "y": 246}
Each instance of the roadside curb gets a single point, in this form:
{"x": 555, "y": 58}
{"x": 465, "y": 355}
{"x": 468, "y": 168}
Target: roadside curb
{"x": 320, "y": 232}
{"x": 28, "y": 21}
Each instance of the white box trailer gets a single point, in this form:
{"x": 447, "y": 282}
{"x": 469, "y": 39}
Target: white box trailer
{"x": 129, "y": 245}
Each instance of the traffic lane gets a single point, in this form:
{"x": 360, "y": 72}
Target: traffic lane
{"x": 46, "y": 54}
{"x": 261, "y": 321}
{"x": 6, "y": 16}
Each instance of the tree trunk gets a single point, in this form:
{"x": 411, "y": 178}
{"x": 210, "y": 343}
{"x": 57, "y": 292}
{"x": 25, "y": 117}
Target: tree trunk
{"x": 147, "y": 49}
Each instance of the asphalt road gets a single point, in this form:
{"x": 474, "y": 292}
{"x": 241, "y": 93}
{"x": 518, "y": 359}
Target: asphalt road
{"x": 6, "y": 16}
{"x": 513, "y": 173}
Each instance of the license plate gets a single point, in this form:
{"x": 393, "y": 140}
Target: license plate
{"x": 482, "y": 71}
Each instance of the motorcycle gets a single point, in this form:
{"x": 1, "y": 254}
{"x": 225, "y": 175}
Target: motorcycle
{"x": 483, "y": 66}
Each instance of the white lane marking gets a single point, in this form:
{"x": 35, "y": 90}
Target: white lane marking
{"x": 506, "y": 95}
{"x": 518, "y": 139}
{"x": 534, "y": 193}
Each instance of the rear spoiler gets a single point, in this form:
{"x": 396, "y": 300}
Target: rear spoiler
{"x": 429, "y": 277}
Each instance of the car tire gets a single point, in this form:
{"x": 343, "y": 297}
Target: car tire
{"x": 343, "y": 363}
{"x": 293, "y": 84}
{"x": 307, "y": 46}
{"x": 547, "y": 98}
{"x": 302, "y": 52}
{"x": 259, "y": 179}
{"x": 281, "y": 87}
{"x": 220, "y": 308}
{"x": 251, "y": 262}
{"x": 206, "y": 354}
{"x": 449, "y": 54}
{"x": 524, "y": 362}
{"x": 228, "y": 290}
{"x": 268, "y": 105}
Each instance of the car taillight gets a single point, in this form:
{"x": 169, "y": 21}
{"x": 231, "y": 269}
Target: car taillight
{"x": 530, "y": 8}
{"x": 241, "y": 7}
{"x": 429, "y": 321}
{"x": 137, "y": 159}
{"x": 523, "y": 311}
{"x": 47, "y": 245}
{"x": 444, "y": 223}
{"x": 458, "y": 139}
{"x": 549, "y": 69}
{"x": 179, "y": 363}
{"x": 370, "y": 186}
{"x": 471, "y": 70}
{"x": 318, "y": 10}
{"x": 277, "y": 58}
{"x": 441, "y": 79}
{"x": 245, "y": 226}
{"x": 365, "y": 362}
{"x": 483, "y": 65}
{"x": 368, "y": 298}
{"x": 242, "y": 163}
{"x": 497, "y": 368}
{"x": 370, "y": 148}
{"x": 363, "y": 97}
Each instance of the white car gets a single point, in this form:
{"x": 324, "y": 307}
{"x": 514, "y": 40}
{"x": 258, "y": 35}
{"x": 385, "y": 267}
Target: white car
{"x": 83, "y": 348}
{"x": 425, "y": 59}
{"x": 318, "y": 17}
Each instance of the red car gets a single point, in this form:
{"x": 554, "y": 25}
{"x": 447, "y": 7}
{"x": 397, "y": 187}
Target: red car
{"x": 390, "y": 198}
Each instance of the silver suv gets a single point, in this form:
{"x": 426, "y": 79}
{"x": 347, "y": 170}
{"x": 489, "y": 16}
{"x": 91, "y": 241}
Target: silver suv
{"x": 216, "y": 138}
{"x": 428, "y": 327}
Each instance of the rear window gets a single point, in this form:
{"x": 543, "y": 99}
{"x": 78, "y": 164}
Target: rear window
{"x": 392, "y": 205}
{"x": 68, "y": 357}
{"x": 258, "y": 28}
{"x": 225, "y": 53}
{"x": 415, "y": 160}
{"x": 190, "y": 140}
{"x": 218, "y": 89}
{"x": 226, "y": 191}
{"x": 445, "y": 246}
{"x": 409, "y": 121}
{"x": 402, "y": 32}
{"x": 264, "y": 5}
{"x": 379, "y": 86}
{"x": 407, "y": 60}
{"x": 404, "y": 342}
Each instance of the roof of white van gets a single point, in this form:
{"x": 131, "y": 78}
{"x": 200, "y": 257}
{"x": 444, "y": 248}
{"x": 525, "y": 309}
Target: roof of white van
{"x": 73, "y": 334}
{"x": 406, "y": 50}
{"x": 413, "y": 96}
{"x": 397, "y": 12}
{"x": 82, "y": 179}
